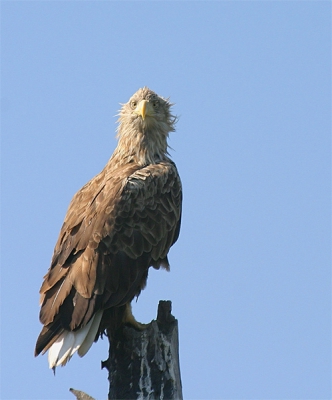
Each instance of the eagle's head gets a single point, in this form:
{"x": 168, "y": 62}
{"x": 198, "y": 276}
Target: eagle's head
{"x": 144, "y": 124}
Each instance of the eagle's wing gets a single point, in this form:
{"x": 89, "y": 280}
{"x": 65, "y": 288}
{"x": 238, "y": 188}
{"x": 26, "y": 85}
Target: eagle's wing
{"x": 117, "y": 226}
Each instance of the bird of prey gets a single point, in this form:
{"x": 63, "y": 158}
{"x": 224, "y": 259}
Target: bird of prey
{"x": 121, "y": 223}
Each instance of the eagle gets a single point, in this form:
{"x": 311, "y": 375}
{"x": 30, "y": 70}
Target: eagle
{"x": 121, "y": 223}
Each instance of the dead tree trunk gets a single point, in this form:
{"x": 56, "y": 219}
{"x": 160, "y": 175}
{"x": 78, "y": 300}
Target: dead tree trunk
{"x": 144, "y": 364}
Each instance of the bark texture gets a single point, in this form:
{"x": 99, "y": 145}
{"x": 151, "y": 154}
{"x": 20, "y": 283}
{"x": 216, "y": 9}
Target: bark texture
{"x": 144, "y": 364}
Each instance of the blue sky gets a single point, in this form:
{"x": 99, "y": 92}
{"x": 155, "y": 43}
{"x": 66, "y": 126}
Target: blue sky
{"x": 250, "y": 276}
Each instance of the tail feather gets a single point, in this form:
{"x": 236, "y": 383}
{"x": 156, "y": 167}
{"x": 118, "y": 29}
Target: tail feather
{"x": 68, "y": 342}
{"x": 59, "y": 352}
{"x": 64, "y": 354}
{"x": 54, "y": 351}
{"x": 90, "y": 337}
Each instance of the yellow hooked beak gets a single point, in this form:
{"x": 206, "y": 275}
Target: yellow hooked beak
{"x": 144, "y": 109}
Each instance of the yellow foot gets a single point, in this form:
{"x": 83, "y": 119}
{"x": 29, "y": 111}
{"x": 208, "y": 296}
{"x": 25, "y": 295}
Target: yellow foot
{"x": 130, "y": 319}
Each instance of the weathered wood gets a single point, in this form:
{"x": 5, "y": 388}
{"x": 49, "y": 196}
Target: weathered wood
{"x": 80, "y": 395}
{"x": 144, "y": 364}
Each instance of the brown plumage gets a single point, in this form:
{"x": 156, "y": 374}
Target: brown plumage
{"x": 117, "y": 226}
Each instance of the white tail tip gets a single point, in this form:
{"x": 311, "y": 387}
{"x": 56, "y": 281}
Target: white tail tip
{"x": 68, "y": 343}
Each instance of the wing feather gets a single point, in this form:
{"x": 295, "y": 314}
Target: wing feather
{"x": 117, "y": 226}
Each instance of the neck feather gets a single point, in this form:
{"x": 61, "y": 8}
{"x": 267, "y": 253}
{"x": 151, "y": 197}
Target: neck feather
{"x": 142, "y": 146}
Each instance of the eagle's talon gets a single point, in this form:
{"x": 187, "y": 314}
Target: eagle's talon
{"x": 130, "y": 320}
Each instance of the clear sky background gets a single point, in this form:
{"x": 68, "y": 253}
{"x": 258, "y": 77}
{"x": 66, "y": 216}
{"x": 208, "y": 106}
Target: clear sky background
{"x": 250, "y": 276}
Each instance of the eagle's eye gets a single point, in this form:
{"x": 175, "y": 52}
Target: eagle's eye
{"x": 155, "y": 103}
{"x": 133, "y": 104}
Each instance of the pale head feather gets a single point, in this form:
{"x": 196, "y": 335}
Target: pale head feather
{"x": 144, "y": 141}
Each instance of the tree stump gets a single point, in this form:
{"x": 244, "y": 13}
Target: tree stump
{"x": 144, "y": 364}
